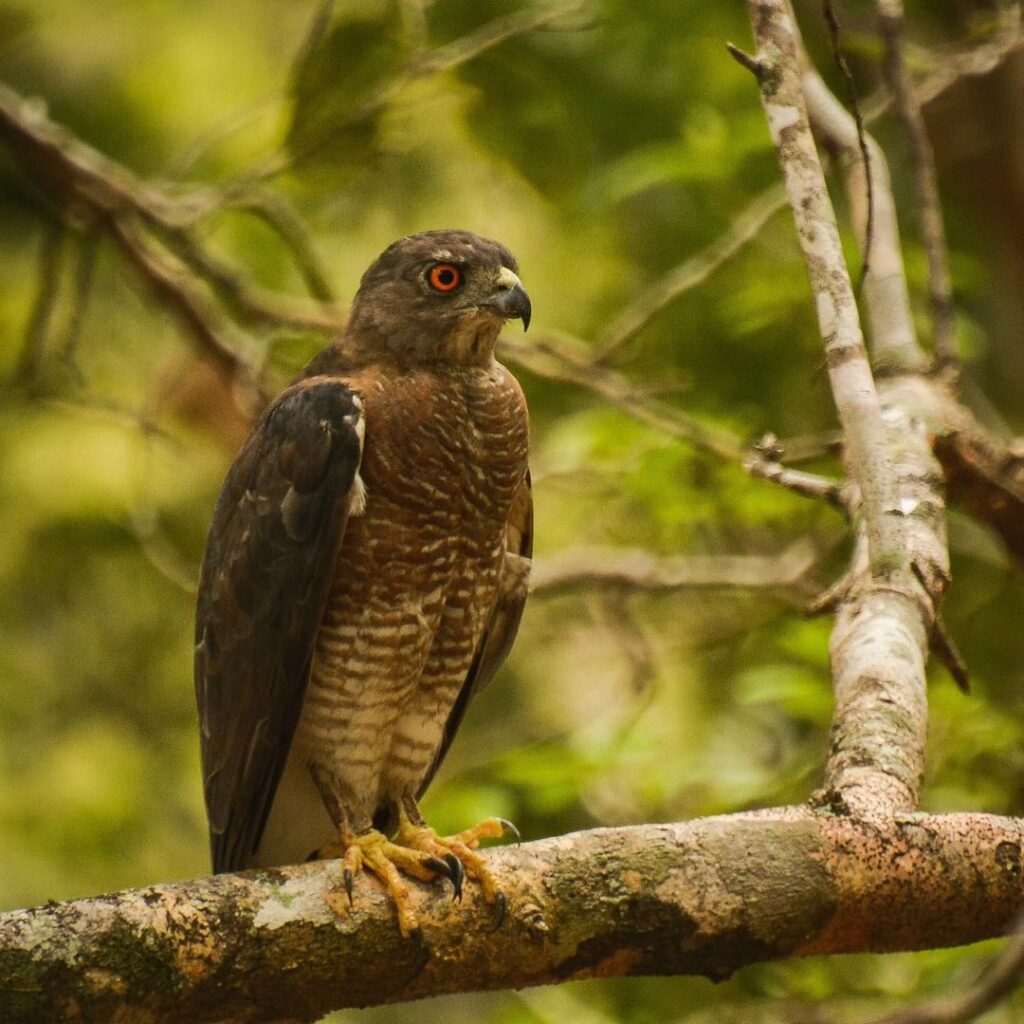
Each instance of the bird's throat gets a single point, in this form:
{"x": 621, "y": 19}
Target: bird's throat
{"x": 471, "y": 341}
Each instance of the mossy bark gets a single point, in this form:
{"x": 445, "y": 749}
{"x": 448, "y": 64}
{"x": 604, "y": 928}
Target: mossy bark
{"x": 704, "y": 897}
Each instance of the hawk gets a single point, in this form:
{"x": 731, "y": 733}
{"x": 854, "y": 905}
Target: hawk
{"x": 365, "y": 575}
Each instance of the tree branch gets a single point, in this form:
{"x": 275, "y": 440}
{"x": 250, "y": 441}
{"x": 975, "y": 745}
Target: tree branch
{"x": 689, "y": 274}
{"x": 562, "y": 360}
{"x": 704, "y": 897}
{"x": 849, "y": 374}
{"x": 638, "y": 570}
{"x": 880, "y": 641}
{"x": 140, "y": 217}
{"x": 887, "y": 298}
{"x": 940, "y": 289}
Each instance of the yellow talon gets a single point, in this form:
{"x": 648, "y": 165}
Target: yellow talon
{"x": 417, "y": 851}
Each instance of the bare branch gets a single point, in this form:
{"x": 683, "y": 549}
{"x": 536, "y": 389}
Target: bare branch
{"x": 766, "y": 464}
{"x": 632, "y": 569}
{"x": 849, "y": 374}
{"x": 940, "y": 289}
{"x": 703, "y": 897}
{"x": 113, "y": 200}
{"x": 880, "y": 640}
{"x": 247, "y": 304}
{"x": 893, "y": 339}
{"x": 690, "y": 274}
{"x": 834, "y": 32}
{"x": 563, "y": 359}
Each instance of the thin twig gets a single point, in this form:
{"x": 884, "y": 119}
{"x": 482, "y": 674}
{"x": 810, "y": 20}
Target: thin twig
{"x": 441, "y": 59}
{"x": 274, "y": 209}
{"x": 157, "y": 549}
{"x": 969, "y": 63}
{"x": 765, "y": 464}
{"x": 613, "y": 616}
{"x": 946, "y": 651}
{"x": 689, "y": 274}
{"x": 554, "y": 359}
{"x": 893, "y": 338}
{"x": 834, "y": 34}
{"x": 933, "y": 232}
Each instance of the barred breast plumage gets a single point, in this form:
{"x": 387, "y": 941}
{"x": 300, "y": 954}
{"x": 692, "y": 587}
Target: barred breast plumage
{"x": 445, "y": 453}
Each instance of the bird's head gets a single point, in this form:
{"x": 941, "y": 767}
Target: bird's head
{"x": 440, "y": 296}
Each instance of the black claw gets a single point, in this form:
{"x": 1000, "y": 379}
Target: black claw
{"x": 510, "y": 830}
{"x": 500, "y": 906}
{"x": 346, "y": 876}
{"x": 458, "y": 873}
{"x": 416, "y": 936}
{"x": 438, "y": 866}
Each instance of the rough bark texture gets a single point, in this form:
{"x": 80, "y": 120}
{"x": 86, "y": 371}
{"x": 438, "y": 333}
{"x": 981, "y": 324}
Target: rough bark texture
{"x": 849, "y": 372}
{"x": 886, "y": 608}
{"x": 703, "y": 897}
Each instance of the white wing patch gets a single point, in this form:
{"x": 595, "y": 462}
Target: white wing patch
{"x": 357, "y": 503}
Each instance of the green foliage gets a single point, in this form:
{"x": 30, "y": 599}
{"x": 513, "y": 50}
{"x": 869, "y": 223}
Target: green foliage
{"x": 604, "y": 148}
{"x": 336, "y": 84}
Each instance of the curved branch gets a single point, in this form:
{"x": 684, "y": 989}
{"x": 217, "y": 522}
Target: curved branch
{"x": 562, "y": 359}
{"x": 638, "y": 570}
{"x": 704, "y": 897}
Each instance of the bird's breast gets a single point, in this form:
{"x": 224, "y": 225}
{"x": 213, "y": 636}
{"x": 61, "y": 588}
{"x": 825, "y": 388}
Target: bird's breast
{"x": 445, "y": 449}
{"x": 418, "y": 570}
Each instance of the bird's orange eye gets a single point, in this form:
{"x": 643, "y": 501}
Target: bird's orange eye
{"x": 444, "y": 277}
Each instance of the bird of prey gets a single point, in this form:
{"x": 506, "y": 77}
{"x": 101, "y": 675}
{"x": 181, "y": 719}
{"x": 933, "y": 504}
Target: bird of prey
{"x": 365, "y": 575}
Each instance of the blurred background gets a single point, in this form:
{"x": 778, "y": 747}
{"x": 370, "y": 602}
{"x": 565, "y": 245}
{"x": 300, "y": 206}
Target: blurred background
{"x": 603, "y": 148}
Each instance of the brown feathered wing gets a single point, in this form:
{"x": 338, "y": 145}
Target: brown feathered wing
{"x": 269, "y": 564}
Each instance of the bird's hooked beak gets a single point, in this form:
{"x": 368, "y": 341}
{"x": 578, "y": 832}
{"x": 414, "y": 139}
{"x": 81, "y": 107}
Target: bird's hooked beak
{"x": 510, "y": 299}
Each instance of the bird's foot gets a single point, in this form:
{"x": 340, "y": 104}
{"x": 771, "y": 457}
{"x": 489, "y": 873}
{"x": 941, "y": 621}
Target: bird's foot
{"x": 374, "y": 852}
{"x": 418, "y": 852}
{"x": 458, "y": 853}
